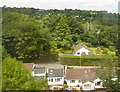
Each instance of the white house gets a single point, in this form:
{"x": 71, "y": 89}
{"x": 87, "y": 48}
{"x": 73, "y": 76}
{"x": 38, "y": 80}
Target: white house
{"x": 84, "y": 78}
{"x": 81, "y": 49}
{"x": 39, "y": 72}
{"x": 55, "y": 78}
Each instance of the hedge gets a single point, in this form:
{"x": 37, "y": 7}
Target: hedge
{"x": 86, "y": 60}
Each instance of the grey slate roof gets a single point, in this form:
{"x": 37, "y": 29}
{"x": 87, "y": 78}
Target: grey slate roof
{"x": 39, "y": 70}
{"x": 55, "y": 73}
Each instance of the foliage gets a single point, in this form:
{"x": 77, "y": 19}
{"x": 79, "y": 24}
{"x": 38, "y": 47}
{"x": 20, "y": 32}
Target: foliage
{"x": 16, "y": 77}
{"x": 98, "y": 50}
{"x": 29, "y": 36}
{"x": 69, "y": 67}
{"x": 107, "y": 74}
{"x": 86, "y": 60}
{"x": 105, "y": 50}
{"x": 24, "y": 37}
{"x": 67, "y": 51}
{"x": 111, "y": 54}
{"x": 112, "y": 48}
{"x": 4, "y": 53}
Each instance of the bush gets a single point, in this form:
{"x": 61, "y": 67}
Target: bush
{"x": 67, "y": 51}
{"x": 105, "y": 50}
{"x": 56, "y": 88}
{"x": 112, "y": 48}
{"x": 69, "y": 67}
{"x": 111, "y": 54}
{"x": 98, "y": 50}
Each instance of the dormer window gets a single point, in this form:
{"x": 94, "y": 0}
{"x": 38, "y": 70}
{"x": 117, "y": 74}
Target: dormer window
{"x": 97, "y": 83}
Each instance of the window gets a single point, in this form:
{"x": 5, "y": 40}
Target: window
{"x": 78, "y": 53}
{"x": 83, "y": 53}
{"x": 97, "y": 83}
{"x": 57, "y": 80}
{"x": 87, "y": 86}
{"x": 79, "y": 81}
{"x": 41, "y": 77}
{"x": 72, "y": 81}
{"x": 89, "y": 53}
{"x": 51, "y": 80}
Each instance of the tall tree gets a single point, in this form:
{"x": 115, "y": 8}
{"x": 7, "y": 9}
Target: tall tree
{"x": 25, "y": 37}
{"x": 16, "y": 77}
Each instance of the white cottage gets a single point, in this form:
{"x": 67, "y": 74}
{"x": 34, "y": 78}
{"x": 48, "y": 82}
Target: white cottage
{"x": 81, "y": 49}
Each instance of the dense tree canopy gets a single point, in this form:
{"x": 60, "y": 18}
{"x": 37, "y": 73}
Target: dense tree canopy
{"x": 16, "y": 77}
{"x": 28, "y": 36}
{"x": 25, "y": 37}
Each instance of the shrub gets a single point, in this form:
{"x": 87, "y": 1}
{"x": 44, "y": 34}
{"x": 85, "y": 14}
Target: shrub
{"x": 105, "y": 50}
{"x": 112, "y": 48}
{"x": 67, "y": 51}
{"x": 101, "y": 47}
{"x": 56, "y": 88}
{"x": 69, "y": 67}
{"x": 98, "y": 50}
{"x": 111, "y": 54}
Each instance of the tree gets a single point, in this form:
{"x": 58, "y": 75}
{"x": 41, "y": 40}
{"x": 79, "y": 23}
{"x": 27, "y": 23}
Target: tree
{"x": 4, "y": 53}
{"x": 25, "y": 37}
{"x": 62, "y": 32}
{"x": 109, "y": 75}
{"x": 16, "y": 77}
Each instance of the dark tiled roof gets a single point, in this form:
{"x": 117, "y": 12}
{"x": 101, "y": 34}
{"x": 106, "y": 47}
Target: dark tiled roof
{"x": 55, "y": 73}
{"x": 83, "y": 74}
{"x": 39, "y": 70}
{"x": 29, "y": 66}
{"x": 79, "y": 46}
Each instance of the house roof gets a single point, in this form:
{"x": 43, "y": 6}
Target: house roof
{"x": 79, "y": 46}
{"x": 83, "y": 74}
{"x": 29, "y": 66}
{"x": 39, "y": 70}
{"x": 55, "y": 73}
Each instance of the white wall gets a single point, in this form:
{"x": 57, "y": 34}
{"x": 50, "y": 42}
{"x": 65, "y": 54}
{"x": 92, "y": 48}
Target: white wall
{"x": 98, "y": 86}
{"x": 74, "y": 84}
{"x": 54, "y": 80}
{"x": 38, "y": 75}
{"x": 80, "y": 51}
